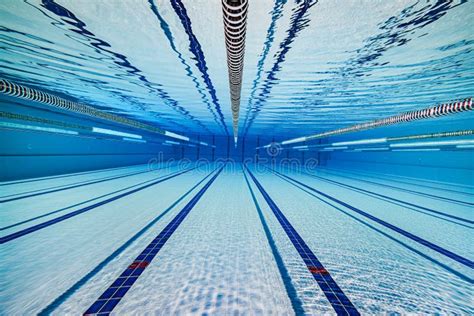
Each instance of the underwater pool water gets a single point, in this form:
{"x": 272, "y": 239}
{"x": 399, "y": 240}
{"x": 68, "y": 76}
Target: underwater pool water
{"x": 324, "y": 168}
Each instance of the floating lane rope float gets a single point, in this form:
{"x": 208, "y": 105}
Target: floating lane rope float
{"x": 23, "y": 92}
{"x": 431, "y": 112}
{"x": 235, "y": 22}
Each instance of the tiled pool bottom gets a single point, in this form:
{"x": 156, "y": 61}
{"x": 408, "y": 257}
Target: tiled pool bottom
{"x": 235, "y": 241}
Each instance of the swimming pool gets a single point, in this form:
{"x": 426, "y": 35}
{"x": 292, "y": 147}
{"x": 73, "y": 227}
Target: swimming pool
{"x": 150, "y": 167}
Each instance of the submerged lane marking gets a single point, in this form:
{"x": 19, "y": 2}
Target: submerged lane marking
{"x": 290, "y": 289}
{"x": 339, "y": 301}
{"x": 69, "y": 187}
{"x": 389, "y": 178}
{"x": 76, "y": 286}
{"x": 391, "y": 198}
{"x": 117, "y": 290}
{"x": 53, "y": 221}
{"x": 445, "y": 252}
{"x": 74, "y": 205}
{"x": 366, "y": 223}
{"x": 66, "y": 175}
{"x": 411, "y": 191}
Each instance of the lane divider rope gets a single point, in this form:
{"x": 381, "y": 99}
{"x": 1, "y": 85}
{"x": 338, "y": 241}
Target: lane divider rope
{"x": 235, "y": 25}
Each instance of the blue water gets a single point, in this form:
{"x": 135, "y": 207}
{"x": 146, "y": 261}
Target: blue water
{"x": 131, "y": 222}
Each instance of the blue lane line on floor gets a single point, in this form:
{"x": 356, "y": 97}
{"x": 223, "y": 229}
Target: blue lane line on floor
{"x": 111, "y": 177}
{"x": 424, "y": 242}
{"x": 391, "y": 198}
{"x": 76, "y": 286}
{"x": 73, "y": 186}
{"x": 391, "y": 179}
{"x": 290, "y": 289}
{"x": 117, "y": 290}
{"x": 56, "y": 220}
{"x": 65, "y": 175}
{"x": 74, "y": 205}
{"x": 339, "y": 301}
{"x": 411, "y": 191}
{"x": 380, "y": 231}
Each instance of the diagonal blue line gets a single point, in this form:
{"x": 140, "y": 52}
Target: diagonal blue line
{"x": 392, "y": 199}
{"x": 365, "y": 223}
{"x": 196, "y": 50}
{"x": 73, "y": 186}
{"x": 290, "y": 289}
{"x": 56, "y": 220}
{"x": 169, "y": 35}
{"x": 298, "y": 23}
{"x": 117, "y": 290}
{"x": 76, "y": 286}
{"x": 464, "y": 261}
{"x": 336, "y": 297}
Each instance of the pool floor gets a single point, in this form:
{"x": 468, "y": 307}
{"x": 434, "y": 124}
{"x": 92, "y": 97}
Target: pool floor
{"x": 235, "y": 240}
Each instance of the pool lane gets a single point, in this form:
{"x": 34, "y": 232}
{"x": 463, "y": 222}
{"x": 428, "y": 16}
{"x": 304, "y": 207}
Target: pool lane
{"x": 335, "y": 295}
{"x": 38, "y": 268}
{"x": 104, "y": 264}
{"x": 444, "y": 195}
{"x": 218, "y": 261}
{"x": 23, "y": 186}
{"x": 51, "y": 189}
{"x": 39, "y": 207}
{"x": 119, "y": 288}
{"x": 450, "y": 235}
{"x": 80, "y": 211}
{"x": 407, "y": 204}
{"x": 456, "y": 250}
{"x": 380, "y": 271}
{"x": 456, "y": 188}
{"x": 455, "y": 209}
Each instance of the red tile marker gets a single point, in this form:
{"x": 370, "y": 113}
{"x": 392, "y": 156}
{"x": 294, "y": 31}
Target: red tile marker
{"x": 139, "y": 265}
{"x": 317, "y": 270}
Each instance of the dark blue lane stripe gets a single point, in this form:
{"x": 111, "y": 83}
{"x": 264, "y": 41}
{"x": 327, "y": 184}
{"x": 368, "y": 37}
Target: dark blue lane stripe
{"x": 74, "y": 205}
{"x": 195, "y": 48}
{"x": 365, "y": 222}
{"x": 445, "y": 252}
{"x": 167, "y": 31}
{"x": 56, "y": 220}
{"x": 411, "y": 191}
{"x": 290, "y": 289}
{"x": 69, "y": 187}
{"x": 277, "y": 13}
{"x": 120, "y": 61}
{"x": 65, "y": 175}
{"x": 298, "y": 22}
{"x": 389, "y": 178}
{"x": 76, "y": 286}
{"x": 390, "y": 198}
{"x": 339, "y": 301}
{"x": 117, "y": 290}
